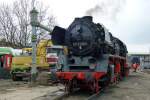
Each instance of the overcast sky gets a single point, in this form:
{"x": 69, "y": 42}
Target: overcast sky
{"x": 128, "y": 20}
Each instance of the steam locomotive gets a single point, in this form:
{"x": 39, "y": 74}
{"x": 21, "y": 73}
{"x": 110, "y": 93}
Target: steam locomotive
{"x": 95, "y": 57}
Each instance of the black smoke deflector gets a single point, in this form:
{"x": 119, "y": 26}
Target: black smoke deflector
{"x": 58, "y": 36}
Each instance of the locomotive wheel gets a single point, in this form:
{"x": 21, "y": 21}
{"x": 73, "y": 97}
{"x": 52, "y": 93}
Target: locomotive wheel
{"x": 127, "y": 72}
{"x": 69, "y": 86}
{"x": 95, "y": 86}
{"x": 117, "y": 78}
{"x": 106, "y": 81}
{"x": 120, "y": 77}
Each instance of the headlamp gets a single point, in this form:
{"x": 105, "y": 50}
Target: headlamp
{"x": 92, "y": 66}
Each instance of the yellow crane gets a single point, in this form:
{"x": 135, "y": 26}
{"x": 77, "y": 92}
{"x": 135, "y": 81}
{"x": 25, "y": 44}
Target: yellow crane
{"x": 21, "y": 65}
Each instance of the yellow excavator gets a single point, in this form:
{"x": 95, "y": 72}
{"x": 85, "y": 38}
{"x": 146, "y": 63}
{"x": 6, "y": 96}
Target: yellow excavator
{"x": 21, "y": 65}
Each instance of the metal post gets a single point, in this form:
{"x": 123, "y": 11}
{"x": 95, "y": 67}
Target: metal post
{"x": 43, "y": 27}
{"x": 34, "y": 69}
{"x": 34, "y": 23}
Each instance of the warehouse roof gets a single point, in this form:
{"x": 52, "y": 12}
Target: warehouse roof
{"x": 138, "y": 53}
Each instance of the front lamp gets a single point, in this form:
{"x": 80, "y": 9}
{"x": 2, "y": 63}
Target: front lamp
{"x": 92, "y": 66}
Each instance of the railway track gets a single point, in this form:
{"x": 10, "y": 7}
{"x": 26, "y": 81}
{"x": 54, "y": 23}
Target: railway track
{"x": 79, "y": 95}
{"x": 94, "y": 96}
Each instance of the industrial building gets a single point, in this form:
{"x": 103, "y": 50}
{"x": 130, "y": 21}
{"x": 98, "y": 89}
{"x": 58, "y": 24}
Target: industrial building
{"x": 144, "y": 59}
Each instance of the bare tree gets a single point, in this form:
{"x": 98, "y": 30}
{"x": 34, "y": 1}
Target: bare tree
{"x": 8, "y": 28}
{"x": 21, "y": 14}
{"x": 15, "y": 22}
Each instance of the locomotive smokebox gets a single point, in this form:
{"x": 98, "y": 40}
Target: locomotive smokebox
{"x": 85, "y": 38}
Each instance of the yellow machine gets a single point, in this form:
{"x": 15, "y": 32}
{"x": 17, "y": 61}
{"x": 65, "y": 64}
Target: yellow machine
{"x": 21, "y": 64}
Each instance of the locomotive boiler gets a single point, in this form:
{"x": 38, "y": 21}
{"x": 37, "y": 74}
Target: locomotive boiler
{"x": 95, "y": 57}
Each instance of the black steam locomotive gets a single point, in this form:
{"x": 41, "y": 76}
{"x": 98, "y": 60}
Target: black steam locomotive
{"x": 95, "y": 56}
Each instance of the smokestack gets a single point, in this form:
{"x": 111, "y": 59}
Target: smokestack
{"x": 88, "y": 18}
